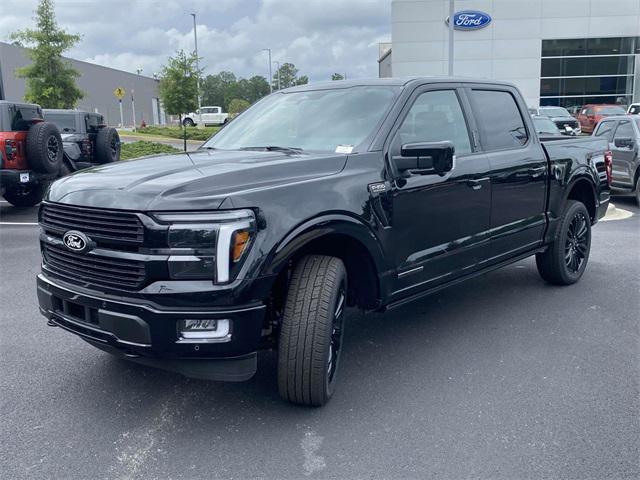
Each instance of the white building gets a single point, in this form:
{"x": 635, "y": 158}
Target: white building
{"x": 558, "y": 52}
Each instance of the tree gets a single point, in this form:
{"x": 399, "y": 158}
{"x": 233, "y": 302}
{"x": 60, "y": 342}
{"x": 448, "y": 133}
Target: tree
{"x": 238, "y": 105}
{"x": 337, "y": 76}
{"x": 179, "y": 84}
{"x": 222, "y": 88}
{"x": 288, "y": 76}
{"x": 51, "y": 80}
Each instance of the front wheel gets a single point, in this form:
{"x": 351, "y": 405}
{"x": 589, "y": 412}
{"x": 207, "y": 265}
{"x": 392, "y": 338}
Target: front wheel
{"x": 564, "y": 262}
{"x": 638, "y": 190}
{"x": 187, "y": 122}
{"x": 312, "y": 330}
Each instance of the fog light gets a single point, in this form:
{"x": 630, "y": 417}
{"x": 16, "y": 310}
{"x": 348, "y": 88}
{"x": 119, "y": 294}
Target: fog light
{"x": 204, "y": 330}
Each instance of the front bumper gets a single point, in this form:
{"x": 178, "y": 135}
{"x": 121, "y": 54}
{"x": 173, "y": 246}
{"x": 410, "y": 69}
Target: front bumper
{"x": 147, "y": 333}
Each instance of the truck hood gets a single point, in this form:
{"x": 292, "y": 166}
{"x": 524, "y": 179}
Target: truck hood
{"x": 194, "y": 180}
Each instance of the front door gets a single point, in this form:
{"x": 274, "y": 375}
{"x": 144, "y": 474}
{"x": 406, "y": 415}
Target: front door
{"x": 439, "y": 224}
{"x": 519, "y": 172}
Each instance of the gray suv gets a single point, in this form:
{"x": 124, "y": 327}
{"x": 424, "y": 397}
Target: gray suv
{"x": 623, "y": 134}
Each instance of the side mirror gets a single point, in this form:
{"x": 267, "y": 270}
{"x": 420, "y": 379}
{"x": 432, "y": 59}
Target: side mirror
{"x": 624, "y": 142}
{"x": 426, "y": 158}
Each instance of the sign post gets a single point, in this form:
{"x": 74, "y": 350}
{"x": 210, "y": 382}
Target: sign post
{"x": 119, "y": 94}
{"x": 133, "y": 109}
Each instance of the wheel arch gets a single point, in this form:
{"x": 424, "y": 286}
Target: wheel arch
{"x": 340, "y": 236}
{"x": 582, "y": 189}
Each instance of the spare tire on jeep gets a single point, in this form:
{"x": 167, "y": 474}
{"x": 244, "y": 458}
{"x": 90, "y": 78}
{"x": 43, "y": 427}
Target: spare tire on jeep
{"x": 44, "y": 148}
{"x": 107, "y": 145}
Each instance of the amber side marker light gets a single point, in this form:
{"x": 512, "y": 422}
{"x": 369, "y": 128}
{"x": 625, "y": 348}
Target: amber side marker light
{"x": 240, "y": 242}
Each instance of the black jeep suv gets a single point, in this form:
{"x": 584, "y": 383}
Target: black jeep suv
{"x": 323, "y": 196}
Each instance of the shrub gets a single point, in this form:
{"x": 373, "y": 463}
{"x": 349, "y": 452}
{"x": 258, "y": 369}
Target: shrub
{"x": 193, "y": 133}
{"x": 141, "y": 149}
{"x": 238, "y": 105}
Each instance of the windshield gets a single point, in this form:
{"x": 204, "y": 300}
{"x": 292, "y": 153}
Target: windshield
{"x": 613, "y": 110}
{"x": 334, "y": 120}
{"x": 544, "y": 125}
{"x": 554, "y": 112}
{"x": 65, "y": 123}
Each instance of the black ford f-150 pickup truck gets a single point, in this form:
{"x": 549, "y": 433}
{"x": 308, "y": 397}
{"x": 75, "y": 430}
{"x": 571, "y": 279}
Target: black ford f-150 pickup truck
{"x": 354, "y": 193}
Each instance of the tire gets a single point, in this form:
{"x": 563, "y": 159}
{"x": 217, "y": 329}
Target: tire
{"x": 25, "y": 196}
{"x": 312, "y": 330}
{"x": 44, "y": 148}
{"x": 107, "y": 145}
{"x": 187, "y": 122}
{"x": 637, "y": 190}
{"x": 564, "y": 262}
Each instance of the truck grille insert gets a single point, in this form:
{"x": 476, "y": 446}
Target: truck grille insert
{"x": 94, "y": 270}
{"x": 107, "y": 227}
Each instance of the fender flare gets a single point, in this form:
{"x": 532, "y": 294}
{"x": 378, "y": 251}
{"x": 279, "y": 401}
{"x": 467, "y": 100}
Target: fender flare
{"x": 317, "y": 227}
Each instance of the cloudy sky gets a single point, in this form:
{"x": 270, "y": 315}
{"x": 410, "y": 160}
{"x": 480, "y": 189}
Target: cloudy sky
{"x": 319, "y": 36}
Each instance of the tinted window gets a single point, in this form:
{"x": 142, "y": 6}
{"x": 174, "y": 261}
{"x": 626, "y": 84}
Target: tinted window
{"x": 434, "y": 117}
{"x": 604, "y": 129}
{"x": 66, "y": 122}
{"x": 501, "y": 124}
{"x": 634, "y": 109}
{"x": 624, "y": 130}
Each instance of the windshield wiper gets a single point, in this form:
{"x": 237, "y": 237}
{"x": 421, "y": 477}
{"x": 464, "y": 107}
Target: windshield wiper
{"x": 275, "y": 148}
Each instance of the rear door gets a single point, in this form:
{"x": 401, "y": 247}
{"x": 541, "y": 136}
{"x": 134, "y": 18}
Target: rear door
{"x": 518, "y": 171}
{"x": 625, "y": 149}
{"x": 440, "y": 224}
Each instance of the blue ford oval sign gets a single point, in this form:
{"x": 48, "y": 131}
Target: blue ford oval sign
{"x": 470, "y": 20}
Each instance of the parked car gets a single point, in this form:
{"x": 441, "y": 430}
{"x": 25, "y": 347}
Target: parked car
{"x": 87, "y": 141}
{"x": 634, "y": 109}
{"x": 30, "y": 153}
{"x": 574, "y": 110}
{"x": 623, "y": 135}
{"x": 545, "y": 127}
{"x": 209, "y": 115}
{"x": 561, "y": 117}
{"x": 353, "y": 193}
{"x": 590, "y": 115}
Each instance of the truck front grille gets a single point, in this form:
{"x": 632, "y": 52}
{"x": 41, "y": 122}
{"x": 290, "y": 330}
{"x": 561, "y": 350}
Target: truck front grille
{"x": 105, "y": 227}
{"x": 92, "y": 270}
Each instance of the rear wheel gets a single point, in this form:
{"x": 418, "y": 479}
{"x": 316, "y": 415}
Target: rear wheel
{"x": 44, "y": 148}
{"x": 638, "y": 190}
{"x": 187, "y": 122}
{"x": 564, "y": 262}
{"x": 25, "y": 196}
{"x": 312, "y": 330}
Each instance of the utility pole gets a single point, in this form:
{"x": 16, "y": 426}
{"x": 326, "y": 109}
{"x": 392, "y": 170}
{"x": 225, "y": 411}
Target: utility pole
{"x": 278, "y": 71}
{"x": 270, "y": 74}
{"x": 451, "y": 26}
{"x": 195, "y": 38}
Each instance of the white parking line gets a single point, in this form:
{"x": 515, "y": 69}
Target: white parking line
{"x": 18, "y": 223}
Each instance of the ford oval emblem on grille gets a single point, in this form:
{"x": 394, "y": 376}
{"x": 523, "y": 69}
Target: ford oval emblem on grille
{"x": 76, "y": 241}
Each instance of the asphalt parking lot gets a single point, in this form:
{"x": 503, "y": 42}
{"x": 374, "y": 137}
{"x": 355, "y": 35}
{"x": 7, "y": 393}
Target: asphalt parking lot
{"x": 502, "y": 377}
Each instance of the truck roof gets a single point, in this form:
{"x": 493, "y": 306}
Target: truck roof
{"x": 68, "y": 111}
{"x": 401, "y": 82}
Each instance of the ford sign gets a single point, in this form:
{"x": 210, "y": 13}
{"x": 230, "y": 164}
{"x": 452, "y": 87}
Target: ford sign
{"x": 470, "y": 20}
{"x": 76, "y": 241}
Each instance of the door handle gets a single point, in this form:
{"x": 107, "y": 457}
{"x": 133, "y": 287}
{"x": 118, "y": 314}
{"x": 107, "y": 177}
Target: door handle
{"x": 536, "y": 172}
{"x": 475, "y": 184}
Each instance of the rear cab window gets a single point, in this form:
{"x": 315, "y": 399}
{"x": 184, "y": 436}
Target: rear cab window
{"x": 605, "y": 128}
{"x": 499, "y": 120}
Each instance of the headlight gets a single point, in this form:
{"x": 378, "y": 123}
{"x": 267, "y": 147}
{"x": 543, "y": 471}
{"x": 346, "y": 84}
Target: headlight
{"x": 207, "y": 244}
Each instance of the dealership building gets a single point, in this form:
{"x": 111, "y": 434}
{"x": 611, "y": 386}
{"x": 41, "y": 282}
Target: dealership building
{"x": 97, "y": 82}
{"x": 558, "y": 52}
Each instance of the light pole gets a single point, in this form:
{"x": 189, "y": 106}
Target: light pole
{"x": 451, "y": 12}
{"x": 270, "y": 75}
{"x": 195, "y": 38}
{"x": 278, "y": 71}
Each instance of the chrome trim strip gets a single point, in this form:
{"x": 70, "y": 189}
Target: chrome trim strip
{"x": 409, "y": 272}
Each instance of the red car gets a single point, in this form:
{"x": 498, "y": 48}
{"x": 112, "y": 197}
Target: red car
{"x": 590, "y": 115}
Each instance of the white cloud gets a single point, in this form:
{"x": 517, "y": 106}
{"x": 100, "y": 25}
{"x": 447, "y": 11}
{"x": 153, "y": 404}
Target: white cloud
{"x": 319, "y": 36}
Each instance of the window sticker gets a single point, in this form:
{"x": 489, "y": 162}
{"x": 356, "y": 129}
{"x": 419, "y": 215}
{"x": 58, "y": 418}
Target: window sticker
{"x": 344, "y": 149}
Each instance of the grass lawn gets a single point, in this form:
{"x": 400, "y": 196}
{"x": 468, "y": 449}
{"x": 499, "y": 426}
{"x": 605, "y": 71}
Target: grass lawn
{"x": 193, "y": 133}
{"x": 142, "y": 148}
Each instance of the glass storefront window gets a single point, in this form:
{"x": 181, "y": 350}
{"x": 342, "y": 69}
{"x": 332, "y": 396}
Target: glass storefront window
{"x": 590, "y": 46}
{"x": 585, "y": 66}
{"x": 585, "y": 86}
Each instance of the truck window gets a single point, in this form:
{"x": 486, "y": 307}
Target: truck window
{"x": 500, "y": 122}
{"x": 436, "y": 116}
{"x": 624, "y": 130}
{"x": 604, "y": 128}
